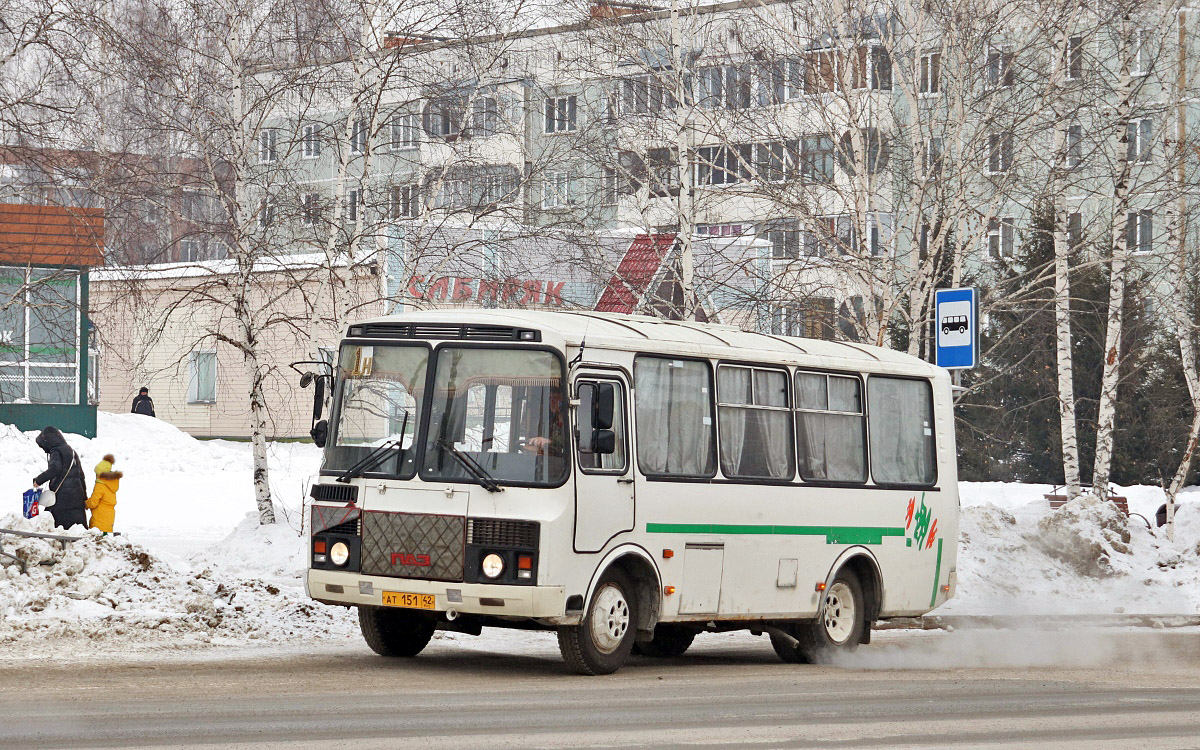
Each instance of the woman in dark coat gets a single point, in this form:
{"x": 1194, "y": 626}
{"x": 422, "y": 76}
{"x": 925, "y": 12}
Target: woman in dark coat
{"x": 64, "y": 475}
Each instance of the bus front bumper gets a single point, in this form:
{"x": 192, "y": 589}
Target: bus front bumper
{"x": 356, "y": 589}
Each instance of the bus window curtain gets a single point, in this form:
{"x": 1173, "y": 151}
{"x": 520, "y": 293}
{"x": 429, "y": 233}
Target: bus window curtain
{"x": 674, "y": 413}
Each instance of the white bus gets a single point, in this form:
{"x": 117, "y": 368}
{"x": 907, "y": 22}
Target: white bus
{"x": 628, "y": 482}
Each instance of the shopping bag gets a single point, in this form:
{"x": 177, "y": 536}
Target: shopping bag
{"x": 29, "y": 502}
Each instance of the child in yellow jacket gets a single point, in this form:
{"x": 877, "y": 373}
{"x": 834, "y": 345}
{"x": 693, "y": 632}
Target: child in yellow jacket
{"x": 103, "y": 502}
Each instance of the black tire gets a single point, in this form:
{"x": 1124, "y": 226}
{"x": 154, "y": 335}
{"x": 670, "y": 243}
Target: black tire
{"x": 603, "y": 641}
{"x": 946, "y": 330}
{"x": 841, "y": 621}
{"x": 395, "y": 632}
{"x": 669, "y": 641}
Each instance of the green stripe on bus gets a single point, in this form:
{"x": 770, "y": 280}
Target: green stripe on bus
{"x": 937, "y": 574}
{"x": 832, "y": 534}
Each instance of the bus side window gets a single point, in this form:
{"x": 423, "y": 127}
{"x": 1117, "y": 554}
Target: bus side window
{"x": 831, "y": 430}
{"x": 674, "y": 409}
{"x": 616, "y": 460}
{"x": 902, "y": 449}
{"x": 755, "y": 423}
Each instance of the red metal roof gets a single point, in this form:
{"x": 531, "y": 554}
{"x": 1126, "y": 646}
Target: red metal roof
{"x": 51, "y": 235}
{"x": 635, "y": 272}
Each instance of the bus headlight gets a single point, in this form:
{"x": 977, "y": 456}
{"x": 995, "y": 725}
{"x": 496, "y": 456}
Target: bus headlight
{"x": 493, "y": 565}
{"x": 339, "y": 553}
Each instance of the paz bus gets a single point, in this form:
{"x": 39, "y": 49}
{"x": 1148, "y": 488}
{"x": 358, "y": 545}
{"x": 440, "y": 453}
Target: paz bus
{"x": 628, "y": 482}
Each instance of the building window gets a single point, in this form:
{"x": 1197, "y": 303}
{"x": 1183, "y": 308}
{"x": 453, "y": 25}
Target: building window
{"x": 1001, "y": 237}
{"x": 202, "y": 377}
{"x": 1143, "y": 52}
{"x": 353, "y": 199}
{"x": 721, "y": 230}
{"x": 785, "y": 241}
{"x": 723, "y": 165}
{"x": 266, "y": 213}
{"x": 560, "y": 114}
{"x": 754, "y": 422}
{"x": 773, "y": 161}
{"x": 310, "y": 141}
{"x": 1139, "y": 231}
{"x": 358, "y": 137}
{"x": 1074, "y": 146}
{"x": 266, "y": 145}
{"x": 39, "y": 336}
{"x": 405, "y": 132}
{"x": 1074, "y": 230}
{"x": 724, "y": 87}
{"x": 820, "y": 71}
{"x": 880, "y": 231}
{"x": 1000, "y": 152}
{"x": 404, "y": 202}
{"x": 556, "y": 189}
{"x": 1138, "y": 134}
{"x": 778, "y": 82}
{"x": 485, "y": 116}
{"x": 812, "y": 320}
{"x": 881, "y": 68}
{"x": 646, "y": 94}
{"x": 1000, "y": 67}
{"x": 191, "y": 249}
{"x": 310, "y": 209}
{"x": 931, "y": 73}
{"x": 817, "y": 158}
{"x": 933, "y": 157}
{"x": 444, "y": 118}
{"x": 1074, "y": 61}
{"x": 608, "y": 189}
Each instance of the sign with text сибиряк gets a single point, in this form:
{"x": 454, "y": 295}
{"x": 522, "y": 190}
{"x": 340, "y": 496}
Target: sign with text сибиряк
{"x": 956, "y": 315}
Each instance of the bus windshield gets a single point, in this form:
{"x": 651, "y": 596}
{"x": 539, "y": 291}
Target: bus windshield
{"x": 379, "y": 401}
{"x": 503, "y": 409}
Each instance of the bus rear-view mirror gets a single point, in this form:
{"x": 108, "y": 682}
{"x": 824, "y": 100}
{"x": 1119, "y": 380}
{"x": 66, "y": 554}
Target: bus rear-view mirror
{"x": 595, "y": 417}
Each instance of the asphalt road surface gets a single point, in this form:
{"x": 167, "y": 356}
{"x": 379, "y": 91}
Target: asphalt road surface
{"x": 1091, "y": 689}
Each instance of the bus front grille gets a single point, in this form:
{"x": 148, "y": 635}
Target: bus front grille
{"x": 413, "y": 545}
{"x": 501, "y": 532}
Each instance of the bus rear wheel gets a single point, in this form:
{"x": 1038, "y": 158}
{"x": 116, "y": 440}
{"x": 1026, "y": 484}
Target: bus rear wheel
{"x": 395, "y": 632}
{"x": 603, "y": 641}
{"x": 838, "y": 629}
{"x": 669, "y": 641}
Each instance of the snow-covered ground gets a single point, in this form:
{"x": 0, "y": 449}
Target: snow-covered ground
{"x": 192, "y": 568}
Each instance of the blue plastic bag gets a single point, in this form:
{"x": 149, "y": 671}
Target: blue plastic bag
{"x": 29, "y": 502}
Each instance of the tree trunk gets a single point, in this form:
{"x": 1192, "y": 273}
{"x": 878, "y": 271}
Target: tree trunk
{"x": 1107, "y": 414}
{"x": 258, "y": 439}
{"x": 1066, "y": 377}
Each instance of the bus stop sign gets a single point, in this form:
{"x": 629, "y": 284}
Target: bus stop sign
{"x": 957, "y": 319}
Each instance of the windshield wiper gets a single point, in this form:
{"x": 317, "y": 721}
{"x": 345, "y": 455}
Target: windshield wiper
{"x": 375, "y": 456}
{"x": 471, "y": 465}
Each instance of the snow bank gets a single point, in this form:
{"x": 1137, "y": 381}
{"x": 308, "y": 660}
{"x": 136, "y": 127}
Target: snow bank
{"x": 1016, "y": 556}
{"x": 105, "y": 590}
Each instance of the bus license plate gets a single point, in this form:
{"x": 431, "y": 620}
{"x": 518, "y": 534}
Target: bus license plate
{"x": 405, "y": 599}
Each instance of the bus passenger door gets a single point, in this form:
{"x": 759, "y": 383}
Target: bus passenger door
{"x": 604, "y": 495}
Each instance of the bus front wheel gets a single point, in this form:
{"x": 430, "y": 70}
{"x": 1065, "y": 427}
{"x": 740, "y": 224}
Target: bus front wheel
{"x": 602, "y": 642}
{"x": 395, "y": 632}
{"x": 838, "y": 629}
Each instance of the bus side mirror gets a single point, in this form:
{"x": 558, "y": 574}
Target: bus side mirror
{"x": 594, "y": 418}
{"x": 320, "y": 433}
{"x": 603, "y": 406}
{"x": 318, "y": 397}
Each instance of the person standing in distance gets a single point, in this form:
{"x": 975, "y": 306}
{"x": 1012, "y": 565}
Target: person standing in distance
{"x": 142, "y": 403}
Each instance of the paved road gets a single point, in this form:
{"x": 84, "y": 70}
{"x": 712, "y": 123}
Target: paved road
{"x": 1095, "y": 689}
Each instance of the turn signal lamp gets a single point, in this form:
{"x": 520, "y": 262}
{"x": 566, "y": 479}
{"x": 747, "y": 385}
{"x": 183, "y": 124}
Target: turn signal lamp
{"x": 525, "y": 562}
{"x": 668, "y": 590}
{"x": 319, "y": 547}
{"x": 668, "y": 554}
{"x": 821, "y": 586}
